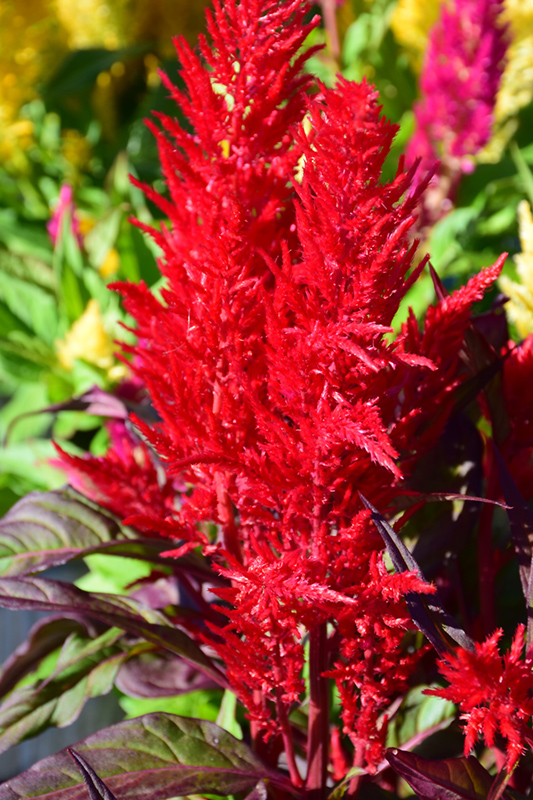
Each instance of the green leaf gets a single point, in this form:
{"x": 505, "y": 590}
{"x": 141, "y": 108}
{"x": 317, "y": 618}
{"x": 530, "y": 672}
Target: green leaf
{"x": 31, "y": 304}
{"x": 24, "y": 240}
{"x": 86, "y": 668}
{"x": 417, "y": 714}
{"x": 154, "y": 757}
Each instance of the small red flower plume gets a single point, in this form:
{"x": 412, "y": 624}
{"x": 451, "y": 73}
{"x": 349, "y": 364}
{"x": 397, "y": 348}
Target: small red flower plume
{"x": 494, "y": 692}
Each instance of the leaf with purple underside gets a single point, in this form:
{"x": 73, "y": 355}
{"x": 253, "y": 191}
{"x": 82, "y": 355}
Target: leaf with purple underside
{"x": 38, "y": 594}
{"x": 159, "y": 674}
{"x": 428, "y": 614}
{"x": 154, "y": 757}
{"x": 447, "y": 779}
{"x": 47, "y": 529}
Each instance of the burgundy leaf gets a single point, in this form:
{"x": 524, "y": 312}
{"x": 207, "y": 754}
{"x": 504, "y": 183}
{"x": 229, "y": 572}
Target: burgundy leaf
{"x": 520, "y": 521}
{"x": 153, "y": 757}
{"x": 46, "y": 529}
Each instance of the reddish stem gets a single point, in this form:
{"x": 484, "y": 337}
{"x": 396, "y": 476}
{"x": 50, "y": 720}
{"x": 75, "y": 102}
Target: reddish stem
{"x": 358, "y": 760}
{"x": 318, "y": 733}
{"x": 485, "y": 551}
{"x": 227, "y": 520}
{"x": 288, "y": 743}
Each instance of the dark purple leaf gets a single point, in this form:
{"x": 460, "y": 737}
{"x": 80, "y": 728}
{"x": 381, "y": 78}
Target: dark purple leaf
{"x": 427, "y": 612}
{"x": 448, "y": 779}
{"x": 154, "y": 757}
{"x": 97, "y": 788}
{"x": 159, "y": 674}
{"x": 125, "y": 613}
{"x": 481, "y": 354}
{"x": 520, "y": 521}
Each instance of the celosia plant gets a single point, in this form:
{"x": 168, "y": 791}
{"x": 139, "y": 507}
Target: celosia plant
{"x": 285, "y": 412}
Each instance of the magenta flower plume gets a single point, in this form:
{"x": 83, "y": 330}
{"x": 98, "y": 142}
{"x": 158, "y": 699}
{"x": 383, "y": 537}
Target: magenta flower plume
{"x": 494, "y": 693}
{"x": 462, "y": 72}
{"x": 64, "y": 208}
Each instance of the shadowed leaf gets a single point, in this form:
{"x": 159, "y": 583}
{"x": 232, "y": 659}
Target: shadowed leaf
{"x": 44, "y": 637}
{"x": 160, "y": 674}
{"x": 86, "y": 668}
{"x": 122, "y": 612}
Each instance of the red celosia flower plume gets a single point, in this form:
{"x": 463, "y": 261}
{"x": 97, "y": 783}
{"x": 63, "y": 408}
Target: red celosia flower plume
{"x": 494, "y": 693}
{"x": 279, "y": 394}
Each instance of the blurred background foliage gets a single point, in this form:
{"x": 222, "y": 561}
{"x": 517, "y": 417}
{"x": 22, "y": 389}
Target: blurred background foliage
{"x": 78, "y": 79}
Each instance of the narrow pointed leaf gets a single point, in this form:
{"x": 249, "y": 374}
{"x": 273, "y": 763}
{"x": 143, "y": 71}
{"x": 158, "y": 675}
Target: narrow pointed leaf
{"x": 97, "y": 788}
{"x": 428, "y": 614}
{"x": 125, "y": 613}
{"x": 153, "y": 757}
{"x": 448, "y": 779}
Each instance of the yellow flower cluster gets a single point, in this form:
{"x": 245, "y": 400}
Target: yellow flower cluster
{"x": 36, "y": 34}
{"x": 31, "y": 45}
{"x": 87, "y": 339}
{"x": 520, "y": 305}
{"x": 119, "y": 23}
{"x": 411, "y": 22}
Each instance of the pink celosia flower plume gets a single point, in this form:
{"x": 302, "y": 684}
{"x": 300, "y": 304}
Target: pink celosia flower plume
{"x": 462, "y": 70}
{"x": 279, "y": 394}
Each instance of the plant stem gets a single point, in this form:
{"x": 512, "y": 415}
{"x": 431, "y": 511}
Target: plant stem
{"x": 288, "y": 744}
{"x": 485, "y": 551}
{"x": 318, "y": 735}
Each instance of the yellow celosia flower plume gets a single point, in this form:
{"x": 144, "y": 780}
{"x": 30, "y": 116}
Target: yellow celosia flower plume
{"x": 87, "y": 339}
{"x": 516, "y": 90}
{"x": 520, "y": 305}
